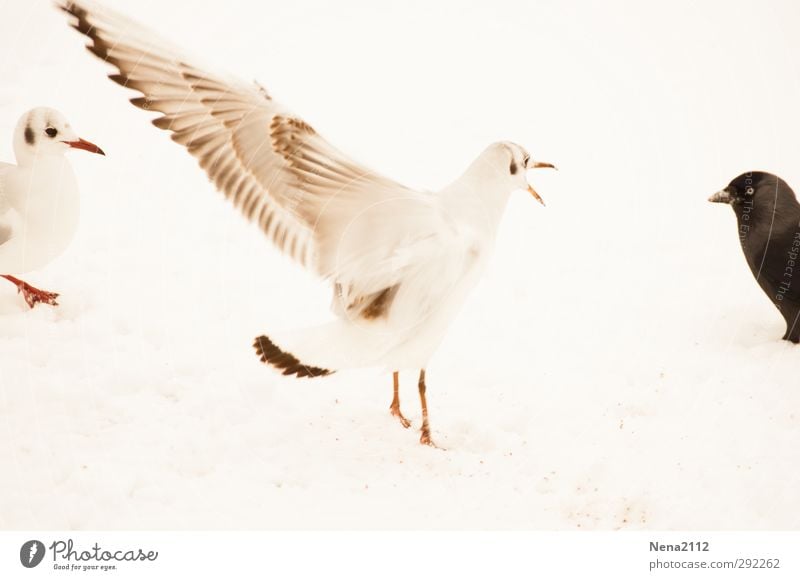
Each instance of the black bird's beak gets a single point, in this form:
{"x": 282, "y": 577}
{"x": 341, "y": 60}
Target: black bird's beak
{"x": 722, "y": 196}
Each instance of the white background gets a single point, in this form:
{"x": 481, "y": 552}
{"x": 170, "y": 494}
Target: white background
{"x": 617, "y": 369}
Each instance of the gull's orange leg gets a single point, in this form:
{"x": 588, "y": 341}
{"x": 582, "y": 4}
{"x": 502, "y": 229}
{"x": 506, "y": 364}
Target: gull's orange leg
{"x": 395, "y": 408}
{"x": 33, "y": 296}
{"x": 425, "y": 437}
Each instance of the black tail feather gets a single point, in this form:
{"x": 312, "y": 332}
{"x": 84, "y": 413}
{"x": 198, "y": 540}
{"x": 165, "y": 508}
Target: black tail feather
{"x": 269, "y": 353}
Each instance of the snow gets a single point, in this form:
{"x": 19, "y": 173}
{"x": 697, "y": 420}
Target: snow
{"x": 618, "y": 368}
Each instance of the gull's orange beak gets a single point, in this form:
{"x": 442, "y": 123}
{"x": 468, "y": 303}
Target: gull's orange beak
{"x": 534, "y": 194}
{"x": 539, "y": 165}
{"x": 85, "y": 145}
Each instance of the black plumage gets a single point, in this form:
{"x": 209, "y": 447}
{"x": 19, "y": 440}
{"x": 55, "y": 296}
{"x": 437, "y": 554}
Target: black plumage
{"x": 768, "y": 214}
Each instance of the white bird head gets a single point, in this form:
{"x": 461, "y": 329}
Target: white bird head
{"x": 42, "y": 132}
{"x": 513, "y": 161}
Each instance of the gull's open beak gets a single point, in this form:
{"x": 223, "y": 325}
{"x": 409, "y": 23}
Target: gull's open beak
{"x": 722, "y": 196}
{"x": 539, "y": 165}
{"x": 85, "y": 145}
{"x": 534, "y": 194}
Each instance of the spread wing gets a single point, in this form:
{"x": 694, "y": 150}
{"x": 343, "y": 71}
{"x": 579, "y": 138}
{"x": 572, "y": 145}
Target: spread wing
{"x": 272, "y": 165}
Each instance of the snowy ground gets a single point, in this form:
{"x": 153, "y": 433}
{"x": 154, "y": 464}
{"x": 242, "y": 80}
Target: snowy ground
{"x": 617, "y": 368}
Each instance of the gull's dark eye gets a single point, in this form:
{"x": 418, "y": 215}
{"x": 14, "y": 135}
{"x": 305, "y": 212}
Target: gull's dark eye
{"x": 525, "y": 161}
{"x": 51, "y": 132}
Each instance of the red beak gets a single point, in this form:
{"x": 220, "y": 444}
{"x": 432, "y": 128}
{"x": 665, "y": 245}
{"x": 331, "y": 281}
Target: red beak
{"x": 85, "y": 145}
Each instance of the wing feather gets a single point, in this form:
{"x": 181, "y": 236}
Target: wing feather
{"x": 313, "y": 202}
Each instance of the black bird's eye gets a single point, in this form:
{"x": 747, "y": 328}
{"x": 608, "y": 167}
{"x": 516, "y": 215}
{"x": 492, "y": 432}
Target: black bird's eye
{"x": 749, "y": 190}
{"x": 51, "y": 132}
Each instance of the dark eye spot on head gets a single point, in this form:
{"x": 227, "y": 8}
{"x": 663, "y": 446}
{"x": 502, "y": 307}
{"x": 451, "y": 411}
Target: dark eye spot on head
{"x": 51, "y": 132}
{"x": 513, "y": 167}
{"x": 525, "y": 161}
{"x": 29, "y": 137}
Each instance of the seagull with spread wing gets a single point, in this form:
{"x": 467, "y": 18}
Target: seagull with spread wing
{"x": 400, "y": 261}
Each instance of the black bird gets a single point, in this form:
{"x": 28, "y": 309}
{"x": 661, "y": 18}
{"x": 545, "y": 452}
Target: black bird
{"x": 769, "y": 231}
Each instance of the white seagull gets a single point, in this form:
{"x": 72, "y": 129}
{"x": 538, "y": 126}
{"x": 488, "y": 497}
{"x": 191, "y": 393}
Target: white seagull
{"x": 39, "y": 199}
{"x": 400, "y": 261}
